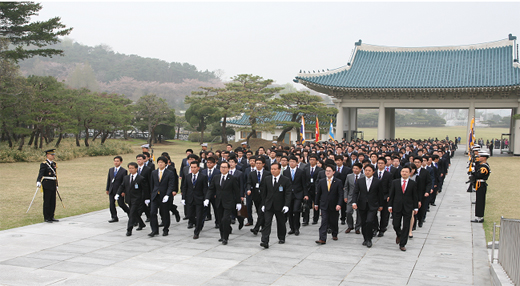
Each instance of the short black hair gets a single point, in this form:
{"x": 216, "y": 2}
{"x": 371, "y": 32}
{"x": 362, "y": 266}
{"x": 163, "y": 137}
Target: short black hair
{"x": 369, "y": 166}
{"x": 407, "y": 167}
{"x": 359, "y": 165}
{"x": 234, "y": 159}
{"x": 133, "y": 164}
{"x": 119, "y": 157}
{"x": 382, "y": 159}
{"x": 330, "y": 166}
{"x": 194, "y": 163}
{"x": 277, "y": 164}
{"x": 211, "y": 159}
{"x": 147, "y": 154}
{"x": 189, "y": 150}
{"x": 162, "y": 158}
{"x": 140, "y": 156}
{"x": 224, "y": 163}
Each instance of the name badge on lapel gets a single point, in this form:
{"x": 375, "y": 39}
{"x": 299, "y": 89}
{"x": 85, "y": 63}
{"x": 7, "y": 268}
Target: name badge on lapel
{"x": 113, "y": 180}
{"x": 257, "y": 185}
{"x": 280, "y": 189}
{"x": 136, "y": 186}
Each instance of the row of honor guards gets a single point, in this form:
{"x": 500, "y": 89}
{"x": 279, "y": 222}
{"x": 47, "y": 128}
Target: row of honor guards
{"x": 478, "y": 171}
{"x": 359, "y": 183}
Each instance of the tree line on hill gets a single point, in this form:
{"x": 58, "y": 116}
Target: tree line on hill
{"x": 419, "y": 118}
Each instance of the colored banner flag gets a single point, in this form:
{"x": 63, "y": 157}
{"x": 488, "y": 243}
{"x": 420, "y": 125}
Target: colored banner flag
{"x": 331, "y": 131}
{"x": 302, "y": 131}
{"x": 317, "y": 130}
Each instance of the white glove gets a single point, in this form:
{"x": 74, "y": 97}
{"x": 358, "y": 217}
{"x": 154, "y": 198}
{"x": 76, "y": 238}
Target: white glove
{"x": 263, "y": 209}
{"x": 38, "y": 184}
{"x": 183, "y": 202}
{"x": 206, "y": 203}
{"x": 239, "y": 207}
{"x": 146, "y": 202}
{"x": 165, "y": 199}
{"x": 285, "y": 210}
{"x": 116, "y": 197}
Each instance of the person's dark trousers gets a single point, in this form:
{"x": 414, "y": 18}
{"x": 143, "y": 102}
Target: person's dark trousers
{"x": 196, "y": 216}
{"x": 294, "y": 213}
{"x": 224, "y": 217}
{"x": 260, "y": 220}
{"x": 49, "y": 202}
{"x": 367, "y": 222}
{"x": 441, "y": 182}
{"x": 208, "y": 214}
{"x": 433, "y": 196}
{"x": 249, "y": 204}
{"x": 385, "y": 217}
{"x": 329, "y": 219}
{"x": 120, "y": 202}
{"x": 280, "y": 225}
{"x": 307, "y": 212}
{"x": 134, "y": 215}
{"x": 343, "y": 211}
{"x": 480, "y": 204}
{"x": 404, "y": 219}
{"x": 421, "y": 215}
{"x": 173, "y": 207}
{"x": 157, "y": 206}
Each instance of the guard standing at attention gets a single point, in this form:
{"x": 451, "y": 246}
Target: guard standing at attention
{"x": 481, "y": 176}
{"x": 48, "y": 180}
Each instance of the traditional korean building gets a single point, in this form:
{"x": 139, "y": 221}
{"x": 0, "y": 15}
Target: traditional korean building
{"x": 478, "y": 76}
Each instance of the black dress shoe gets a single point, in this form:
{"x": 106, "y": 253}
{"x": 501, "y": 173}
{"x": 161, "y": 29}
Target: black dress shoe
{"x": 473, "y": 203}
{"x": 48, "y": 220}
{"x": 297, "y": 232}
{"x": 329, "y": 230}
{"x": 185, "y": 218}
{"x": 281, "y": 241}
{"x": 152, "y": 234}
{"x": 254, "y": 231}
{"x": 129, "y": 233}
{"x": 136, "y": 224}
{"x": 220, "y": 240}
{"x": 410, "y": 236}
{"x": 141, "y": 227}
{"x": 196, "y": 236}
{"x": 207, "y": 219}
{"x": 369, "y": 244}
{"x": 216, "y": 225}
{"x": 321, "y": 242}
{"x": 402, "y": 248}
{"x": 54, "y": 220}
{"x": 233, "y": 221}
{"x": 291, "y": 232}
{"x": 224, "y": 242}
{"x": 165, "y": 233}
{"x": 374, "y": 234}
{"x": 113, "y": 220}
{"x": 264, "y": 244}
{"x": 433, "y": 204}
{"x": 478, "y": 221}
{"x": 414, "y": 228}
{"x": 343, "y": 222}
{"x": 305, "y": 224}
{"x": 147, "y": 219}
{"x": 420, "y": 224}
{"x": 364, "y": 243}
{"x": 161, "y": 224}
{"x": 177, "y": 216}
{"x": 380, "y": 234}
{"x": 190, "y": 226}
{"x": 249, "y": 224}
{"x": 314, "y": 222}
{"x": 240, "y": 224}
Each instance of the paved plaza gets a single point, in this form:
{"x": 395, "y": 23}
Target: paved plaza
{"x": 87, "y": 250}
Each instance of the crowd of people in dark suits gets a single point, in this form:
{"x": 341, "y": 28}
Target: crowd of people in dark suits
{"x": 361, "y": 184}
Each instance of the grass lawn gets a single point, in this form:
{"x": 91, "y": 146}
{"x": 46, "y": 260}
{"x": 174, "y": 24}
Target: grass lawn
{"x": 82, "y": 184}
{"x": 439, "y": 132}
{"x": 502, "y": 197}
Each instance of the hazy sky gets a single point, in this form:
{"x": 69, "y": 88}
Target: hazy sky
{"x": 276, "y": 40}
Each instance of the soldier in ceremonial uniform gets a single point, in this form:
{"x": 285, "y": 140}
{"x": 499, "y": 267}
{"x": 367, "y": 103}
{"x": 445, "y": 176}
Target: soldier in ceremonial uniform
{"x": 481, "y": 176}
{"x": 48, "y": 180}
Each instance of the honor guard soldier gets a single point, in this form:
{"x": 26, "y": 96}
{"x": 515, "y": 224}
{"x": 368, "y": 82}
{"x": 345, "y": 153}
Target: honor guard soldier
{"x": 48, "y": 180}
{"x": 481, "y": 176}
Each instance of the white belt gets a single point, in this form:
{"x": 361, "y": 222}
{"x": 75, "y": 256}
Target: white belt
{"x": 482, "y": 181}
{"x": 50, "y": 178}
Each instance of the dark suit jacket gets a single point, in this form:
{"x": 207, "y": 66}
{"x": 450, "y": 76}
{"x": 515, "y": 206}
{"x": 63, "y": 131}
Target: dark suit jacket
{"x": 252, "y": 180}
{"x": 146, "y": 172}
{"x": 362, "y": 196}
{"x": 241, "y": 181}
{"x": 132, "y": 194}
{"x": 406, "y": 202}
{"x": 112, "y": 187}
{"x": 343, "y": 174}
{"x": 397, "y": 174}
{"x": 385, "y": 182}
{"x": 299, "y": 185}
{"x": 272, "y": 198}
{"x": 312, "y": 186}
{"x": 194, "y": 194}
{"x": 227, "y": 195}
{"x": 165, "y": 186}
{"x": 424, "y": 183}
{"x": 150, "y": 164}
{"x": 328, "y": 200}
{"x": 182, "y": 171}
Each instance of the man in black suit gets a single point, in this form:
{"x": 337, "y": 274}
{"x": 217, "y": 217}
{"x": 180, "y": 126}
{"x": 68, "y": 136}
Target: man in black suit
{"x": 424, "y": 188}
{"x": 385, "y": 178}
{"x": 211, "y": 171}
{"x": 250, "y": 167}
{"x": 194, "y": 189}
{"x": 276, "y": 197}
{"x": 329, "y": 196}
{"x": 114, "y": 180}
{"x": 403, "y": 202}
{"x": 341, "y": 173}
{"x": 148, "y": 162}
{"x": 146, "y": 172}
{"x": 299, "y": 191}
{"x": 311, "y": 176}
{"x": 253, "y": 190}
{"x": 162, "y": 192}
{"x": 396, "y": 163}
{"x": 368, "y": 200}
{"x": 224, "y": 187}
{"x": 235, "y": 172}
{"x": 185, "y": 163}
{"x": 135, "y": 189}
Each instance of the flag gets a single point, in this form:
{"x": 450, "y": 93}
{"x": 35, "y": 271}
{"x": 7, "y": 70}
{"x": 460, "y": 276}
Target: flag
{"x": 331, "y": 131}
{"x": 302, "y": 131}
{"x": 317, "y": 130}
{"x": 471, "y": 141}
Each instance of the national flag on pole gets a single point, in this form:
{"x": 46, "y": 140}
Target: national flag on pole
{"x": 331, "y": 131}
{"x": 302, "y": 131}
{"x": 317, "y": 130}
{"x": 471, "y": 141}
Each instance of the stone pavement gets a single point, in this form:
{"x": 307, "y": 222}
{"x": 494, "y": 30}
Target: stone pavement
{"x": 87, "y": 250}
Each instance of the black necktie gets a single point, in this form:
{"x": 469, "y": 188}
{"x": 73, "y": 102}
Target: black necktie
{"x": 380, "y": 173}
{"x": 210, "y": 172}
{"x": 355, "y": 181}
{"x": 194, "y": 177}
{"x": 274, "y": 181}
{"x": 222, "y": 180}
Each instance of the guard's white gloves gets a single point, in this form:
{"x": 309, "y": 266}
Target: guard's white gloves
{"x": 206, "y": 203}
{"x": 263, "y": 209}
{"x": 38, "y": 184}
{"x": 116, "y": 197}
{"x": 239, "y": 207}
{"x": 285, "y": 210}
{"x": 183, "y": 202}
{"x": 146, "y": 202}
{"x": 165, "y": 199}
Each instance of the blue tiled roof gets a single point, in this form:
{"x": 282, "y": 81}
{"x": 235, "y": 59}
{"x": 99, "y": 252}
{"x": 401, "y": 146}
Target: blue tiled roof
{"x": 280, "y": 116}
{"x": 482, "y": 66}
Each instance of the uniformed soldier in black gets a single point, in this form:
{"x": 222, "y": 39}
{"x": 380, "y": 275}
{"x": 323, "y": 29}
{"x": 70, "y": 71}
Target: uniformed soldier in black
{"x": 481, "y": 176}
{"x": 48, "y": 180}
